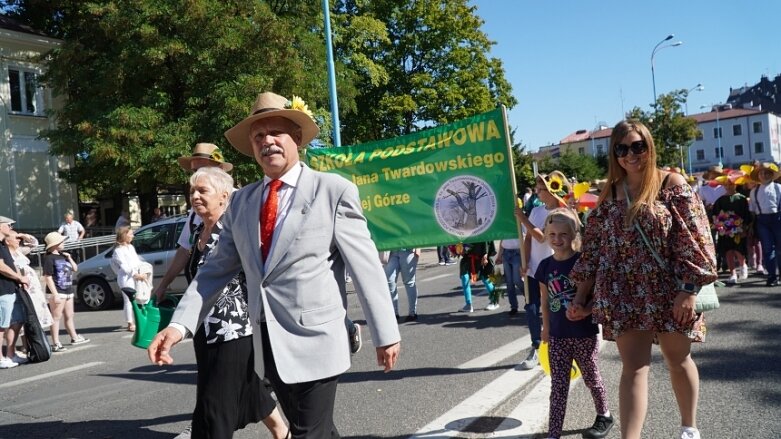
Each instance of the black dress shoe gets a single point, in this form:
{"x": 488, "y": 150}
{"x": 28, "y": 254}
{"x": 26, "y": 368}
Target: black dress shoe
{"x": 771, "y": 283}
{"x": 411, "y": 318}
{"x": 512, "y": 312}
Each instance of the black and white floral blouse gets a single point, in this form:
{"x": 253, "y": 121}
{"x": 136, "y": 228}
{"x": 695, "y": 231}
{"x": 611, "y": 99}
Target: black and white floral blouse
{"x": 228, "y": 319}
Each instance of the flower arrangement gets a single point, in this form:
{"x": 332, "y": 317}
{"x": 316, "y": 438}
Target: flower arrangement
{"x": 727, "y": 223}
{"x": 298, "y": 104}
{"x": 216, "y": 155}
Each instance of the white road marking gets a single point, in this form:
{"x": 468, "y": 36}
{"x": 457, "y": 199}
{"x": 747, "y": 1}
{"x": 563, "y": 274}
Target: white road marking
{"x": 50, "y": 374}
{"x": 429, "y": 279}
{"x": 490, "y": 358}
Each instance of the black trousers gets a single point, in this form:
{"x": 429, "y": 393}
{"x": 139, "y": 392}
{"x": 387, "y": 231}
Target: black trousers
{"x": 230, "y": 395}
{"x": 308, "y": 407}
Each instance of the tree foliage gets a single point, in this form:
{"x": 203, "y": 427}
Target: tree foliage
{"x": 431, "y": 68}
{"x": 672, "y": 131}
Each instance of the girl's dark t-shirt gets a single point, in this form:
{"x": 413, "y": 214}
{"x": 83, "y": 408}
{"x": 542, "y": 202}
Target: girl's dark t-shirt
{"x": 561, "y": 293}
{"x": 58, "y": 267}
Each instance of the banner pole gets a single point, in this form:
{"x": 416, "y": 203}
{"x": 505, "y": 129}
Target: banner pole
{"x": 511, "y": 162}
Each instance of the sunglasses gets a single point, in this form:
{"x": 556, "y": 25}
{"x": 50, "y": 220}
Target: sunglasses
{"x": 622, "y": 149}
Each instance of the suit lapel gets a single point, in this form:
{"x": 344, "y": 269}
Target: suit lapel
{"x": 296, "y": 216}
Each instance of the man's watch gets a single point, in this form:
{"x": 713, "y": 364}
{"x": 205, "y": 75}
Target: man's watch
{"x": 692, "y": 289}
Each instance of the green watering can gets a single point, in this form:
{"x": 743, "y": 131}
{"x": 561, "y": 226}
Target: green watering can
{"x": 151, "y": 318}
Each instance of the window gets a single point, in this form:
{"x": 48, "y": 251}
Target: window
{"x": 719, "y": 153}
{"x": 700, "y": 155}
{"x": 759, "y": 148}
{"x": 581, "y": 150}
{"x": 26, "y": 94}
{"x": 600, "y": 150}
{"x": 154, "y": 239}
{"x": 700, "y": 135}
{"x": 737, "y": 130}
{"x": 757, "y": 127}
{"x": 738, "y": 149}
{"x": 717, "y": 133}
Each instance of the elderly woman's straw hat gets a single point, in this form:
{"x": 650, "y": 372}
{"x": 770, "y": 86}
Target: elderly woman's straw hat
{"x": 54, "y": 239}
{"x": 208, "y": 151}
{"x": 759, "y": 167}
{"x": 267, "y": 105}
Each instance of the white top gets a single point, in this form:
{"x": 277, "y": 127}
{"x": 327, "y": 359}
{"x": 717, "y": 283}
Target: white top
{"x": 765, "y": 198}
{"x": 184, "y": 237}
{"x": 540, "y": 250}
{"x": 72, "y": 230}
{"x": 285, "y": 194}
{"x": 710, "y": 194}
{"x": 124, "y": 262}
{"x": 511, "y": 244}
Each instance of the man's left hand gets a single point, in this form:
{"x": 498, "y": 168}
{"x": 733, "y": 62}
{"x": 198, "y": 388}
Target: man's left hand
{"x": 387, "y": 355}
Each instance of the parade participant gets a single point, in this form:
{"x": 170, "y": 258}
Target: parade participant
{"x": 311, "y": 227}
{"x": 403, "y": 262}
{"x": 568, "y": 340}
{"x": 637, "y": 306}
{"x": 20, "y": 245}
{"x": 766, "y": 200}
{"x": 550, "y": 188}
{"x": 754, "y": 255}
{"x": 509, "y": 255}
{"x": 125, "y": 264}
{"x": 731, "y": 220}
{"x": 476, "y": 264}
{"x": 58, "y": 268}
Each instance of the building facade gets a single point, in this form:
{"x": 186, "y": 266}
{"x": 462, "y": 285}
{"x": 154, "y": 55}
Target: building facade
{"x": 32, "y": 192}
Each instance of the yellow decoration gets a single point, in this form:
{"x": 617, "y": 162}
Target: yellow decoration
{"x": 580, "y": 189}
{"x": 545, "y": 362}
{"x": 216, "y": 155}
{"x": 298, "y": 104}
{"x": 555, "y": 184}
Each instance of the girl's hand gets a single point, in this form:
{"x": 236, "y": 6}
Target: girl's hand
{"x": 545, "y": 335}
{"x": 519, "y": 214}
{"x": 683, "y": 308}
{"x": 576, "y": 312}
{"x": 485, "y": 260}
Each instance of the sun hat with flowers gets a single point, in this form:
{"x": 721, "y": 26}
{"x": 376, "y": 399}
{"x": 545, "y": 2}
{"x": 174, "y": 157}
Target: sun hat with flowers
{"x": 208, "y": 151}
{"x": 267, "y": 105}
{"x": 557, "y": 185}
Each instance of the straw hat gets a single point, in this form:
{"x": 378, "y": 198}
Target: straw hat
{"x": 54, "y": 239}
{"x": 712, "y": 172}
{"x": 208, "y": 151}
{"x": 762, "y": 166}
{"x": 557, "y": 184}
{"x": 6, "y": 220}
{"x": 267, "y": 105}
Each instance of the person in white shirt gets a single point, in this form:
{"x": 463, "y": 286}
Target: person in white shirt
{"x": 551, "y": 189}
{"x": 125, "y": 263}
{"x": 71, "y": 228}
{"x": 766, "y": 200}
{"x": 509, "y": 256}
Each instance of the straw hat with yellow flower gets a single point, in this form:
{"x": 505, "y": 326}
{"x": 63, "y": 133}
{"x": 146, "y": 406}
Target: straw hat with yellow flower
{"x": 557, "y": 184}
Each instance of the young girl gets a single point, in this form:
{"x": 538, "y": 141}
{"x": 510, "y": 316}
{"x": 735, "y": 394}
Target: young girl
{"x": 58, "y": 268}
{"x": 567, "y": 339}
{"x": 475, "y": 257}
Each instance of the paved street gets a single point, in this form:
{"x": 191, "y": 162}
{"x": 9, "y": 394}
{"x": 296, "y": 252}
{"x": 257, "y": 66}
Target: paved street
{"x": 456, "y": 378}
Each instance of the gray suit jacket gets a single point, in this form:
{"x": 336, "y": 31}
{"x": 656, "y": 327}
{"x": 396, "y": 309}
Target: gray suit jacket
{"x": 302, "y": 293}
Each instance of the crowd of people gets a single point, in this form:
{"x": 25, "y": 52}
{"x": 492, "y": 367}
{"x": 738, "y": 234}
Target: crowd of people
{"x": 267, "y": 267}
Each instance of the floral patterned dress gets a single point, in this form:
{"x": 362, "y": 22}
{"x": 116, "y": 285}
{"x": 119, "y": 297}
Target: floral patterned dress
{"x": 631, "y": 290}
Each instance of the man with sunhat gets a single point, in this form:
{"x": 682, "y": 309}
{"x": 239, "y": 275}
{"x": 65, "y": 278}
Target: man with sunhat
{"x": 311, "y": 228}
{"x": 11, "y": 309}
{"x": 766, "y": 203}
{"x": 203, "y": 155}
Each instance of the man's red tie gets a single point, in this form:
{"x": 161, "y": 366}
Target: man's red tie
{"x": 268, "y": 216}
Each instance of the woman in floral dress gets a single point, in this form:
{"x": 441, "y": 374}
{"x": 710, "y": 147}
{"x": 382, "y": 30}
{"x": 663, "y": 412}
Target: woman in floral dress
{"x": 230, "y": 395}
{"x": 636, "y": 300}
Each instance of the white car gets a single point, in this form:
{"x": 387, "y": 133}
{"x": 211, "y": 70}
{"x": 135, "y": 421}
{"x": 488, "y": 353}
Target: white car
{"x": 155, "y": 243}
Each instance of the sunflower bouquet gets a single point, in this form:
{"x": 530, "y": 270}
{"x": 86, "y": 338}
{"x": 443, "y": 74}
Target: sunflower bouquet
{"x": 729, "y": 224}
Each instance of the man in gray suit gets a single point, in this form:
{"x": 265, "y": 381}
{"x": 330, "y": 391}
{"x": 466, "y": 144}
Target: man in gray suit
{"x": 311, "y": 229}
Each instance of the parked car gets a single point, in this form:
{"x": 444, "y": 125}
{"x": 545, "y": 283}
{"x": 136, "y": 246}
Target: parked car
{"x": 155, "y": 243}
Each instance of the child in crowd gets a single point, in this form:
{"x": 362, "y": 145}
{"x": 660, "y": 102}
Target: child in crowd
{"x": 569, "y": 340}
{"x": 58, "y": 268}
{"x": 476, "y": 264}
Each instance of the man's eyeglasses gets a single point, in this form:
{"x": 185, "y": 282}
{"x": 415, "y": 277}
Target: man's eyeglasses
{"x": 637, "y": 148}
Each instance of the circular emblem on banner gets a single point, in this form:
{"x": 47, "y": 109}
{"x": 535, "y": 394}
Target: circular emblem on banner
{"x": 465, "y": 206}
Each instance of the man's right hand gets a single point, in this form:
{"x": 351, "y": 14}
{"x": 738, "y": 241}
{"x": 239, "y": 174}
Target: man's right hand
{"x": 159, "y": 349}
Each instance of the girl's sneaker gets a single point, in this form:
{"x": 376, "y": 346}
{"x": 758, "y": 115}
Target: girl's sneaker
{"x": 761, "y": 270}
{"x": 79, "y": 340}
{"x": 58, "y": 348}
{"x": 743, "y": 272}
{"x": 732, "y": 279}
{"x": 689, "y": 433}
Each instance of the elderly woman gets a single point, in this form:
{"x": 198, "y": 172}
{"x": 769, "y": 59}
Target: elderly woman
{"x": 766, "y": 202}
{"x": 20, "y": 245}
{"x": 229, "y": 393}
{"x": 125, "y": 263}
{"x": 635, "y": 298}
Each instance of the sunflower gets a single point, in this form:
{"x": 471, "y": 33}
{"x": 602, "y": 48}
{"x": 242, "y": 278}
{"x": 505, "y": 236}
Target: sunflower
{"x": 298, "y": 104}
{"x": 216, "y": 155}
{"x": 555, "y": 184}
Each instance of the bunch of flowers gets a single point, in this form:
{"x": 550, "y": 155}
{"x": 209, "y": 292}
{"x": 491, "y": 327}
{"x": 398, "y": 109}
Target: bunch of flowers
{"x": 298, "y": 104}
{"x": 728, "y": 224}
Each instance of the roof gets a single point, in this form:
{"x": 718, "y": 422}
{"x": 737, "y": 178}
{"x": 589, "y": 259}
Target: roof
{"x": 725, "y": 114}
{"x": 9, "y": 23}
{"x": 577, "y": 136}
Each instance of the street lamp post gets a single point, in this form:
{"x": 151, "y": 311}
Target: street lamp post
{"x": 720, "y": 153}
{"x": 653, "y": 53}
{"x": 698, "y": 87}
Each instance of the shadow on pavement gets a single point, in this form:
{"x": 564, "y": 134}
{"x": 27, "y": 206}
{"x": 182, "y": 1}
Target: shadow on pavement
{"x": 105, "y": 428}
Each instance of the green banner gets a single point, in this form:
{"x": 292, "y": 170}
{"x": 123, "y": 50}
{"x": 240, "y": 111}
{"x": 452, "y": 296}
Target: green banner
{"x": 441, "y": 186}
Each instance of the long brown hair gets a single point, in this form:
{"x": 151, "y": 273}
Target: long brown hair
{"x": 651, "y": 182}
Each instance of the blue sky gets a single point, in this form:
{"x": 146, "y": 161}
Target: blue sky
{"x": 573, "y": 64}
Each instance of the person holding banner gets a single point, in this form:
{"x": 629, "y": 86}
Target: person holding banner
{"x": 293, "y": 234}
{"x": 476, "y": 264}
{"x": 550, "y": 189}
